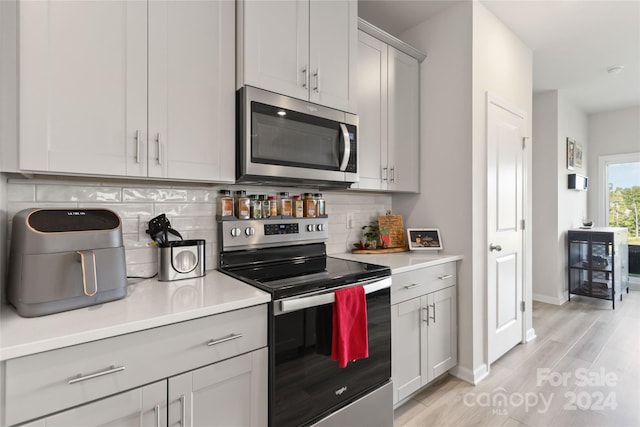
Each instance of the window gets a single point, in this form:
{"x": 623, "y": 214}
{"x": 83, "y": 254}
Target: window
{"x": 620, "y": 186}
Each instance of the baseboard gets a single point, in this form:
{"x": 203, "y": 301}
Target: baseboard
{"x": 530, "y": 335}
{"x": 472, "y": 377}
{"x": 549, "y": 300}
{"x": 634, "y": 286}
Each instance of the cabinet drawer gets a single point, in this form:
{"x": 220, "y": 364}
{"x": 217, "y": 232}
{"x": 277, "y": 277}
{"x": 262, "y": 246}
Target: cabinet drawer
{"x": 419, "y": 282}
{"x": 46, "y": 382}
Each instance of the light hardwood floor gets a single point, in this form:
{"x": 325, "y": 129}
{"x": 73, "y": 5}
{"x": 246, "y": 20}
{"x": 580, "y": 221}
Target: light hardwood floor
{"x": 583, "y": 369}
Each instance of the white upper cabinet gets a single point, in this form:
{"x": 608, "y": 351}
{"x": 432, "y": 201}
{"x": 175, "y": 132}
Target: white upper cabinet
{"x": 389, "y": 110}
{"x": 191, "y": 90}
{"x": 83, "y": 86}
{"x": 403, "y": 114}
{"x": 306, "y": 49}
{"x": 127, "y": 88}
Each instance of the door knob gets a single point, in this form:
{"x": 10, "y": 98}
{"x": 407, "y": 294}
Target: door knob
{"x": 493, "y": 247}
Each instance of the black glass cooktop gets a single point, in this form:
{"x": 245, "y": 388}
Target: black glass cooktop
{"x": 289, "y": 277}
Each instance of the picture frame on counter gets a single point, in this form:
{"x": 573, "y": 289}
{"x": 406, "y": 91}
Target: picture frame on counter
{"x": 424, "y": 239}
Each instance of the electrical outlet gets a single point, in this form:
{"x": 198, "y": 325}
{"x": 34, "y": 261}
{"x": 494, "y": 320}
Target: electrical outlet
{"x": 349, "y": 219}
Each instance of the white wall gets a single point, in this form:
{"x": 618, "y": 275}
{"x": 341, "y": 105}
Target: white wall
{"x": 445, "y": 152}
{"x": 546, "y": 262}
{"x": 502, "y": 67}
{"x": 610, "y": 133}
{"x": 556, "y": 209}
{"x": 469, "y": 53}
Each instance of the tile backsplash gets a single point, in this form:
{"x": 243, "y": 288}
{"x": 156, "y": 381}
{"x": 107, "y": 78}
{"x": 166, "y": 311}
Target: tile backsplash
{"x": 190, "y": 209}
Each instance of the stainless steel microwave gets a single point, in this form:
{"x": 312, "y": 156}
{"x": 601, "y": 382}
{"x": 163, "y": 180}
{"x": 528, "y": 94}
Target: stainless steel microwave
{"x": 290, "y": 141}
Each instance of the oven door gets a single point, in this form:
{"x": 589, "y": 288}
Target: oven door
{"x": 306, "y": 384}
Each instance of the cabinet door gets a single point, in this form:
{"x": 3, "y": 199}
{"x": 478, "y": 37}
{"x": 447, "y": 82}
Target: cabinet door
{"x": 333, "y": 51}
{"x": 142, "y": 407}
{"x": 83, "y": 79}
{"x": 408, "y": 337}
{"x": 191, "y": 90}
{"x": 403, "y": 116}
{"x": 442, "y": 353}
{"x": 231, "y": 393}
{"x": 372, "y": 112}
{"x": 274, "y": 45}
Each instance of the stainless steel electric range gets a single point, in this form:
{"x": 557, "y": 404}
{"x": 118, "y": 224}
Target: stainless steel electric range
{"x": 287, "y": 258}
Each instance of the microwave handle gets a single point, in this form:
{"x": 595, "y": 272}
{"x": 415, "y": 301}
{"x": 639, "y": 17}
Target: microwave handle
{"x": 347, "y": 147}
{"x": 328, "y": 298}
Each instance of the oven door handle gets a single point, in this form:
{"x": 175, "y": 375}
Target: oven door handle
{"x": 328, "y": 298}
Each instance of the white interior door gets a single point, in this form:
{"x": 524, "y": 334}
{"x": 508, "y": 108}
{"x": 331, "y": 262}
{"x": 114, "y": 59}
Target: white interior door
{"x": 505, "y": 131}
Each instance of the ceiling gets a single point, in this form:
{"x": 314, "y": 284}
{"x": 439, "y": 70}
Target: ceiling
{"x": 573, "y": 42}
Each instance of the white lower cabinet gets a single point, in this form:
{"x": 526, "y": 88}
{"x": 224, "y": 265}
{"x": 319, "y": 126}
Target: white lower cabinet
{"x": 210, "y": 371}
{"x": 424, "y": 327}
{"x": 142, "y": 407}
{"x": 227, "y": 394}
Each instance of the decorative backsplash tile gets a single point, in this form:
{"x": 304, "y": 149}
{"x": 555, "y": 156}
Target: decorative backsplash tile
{"x": 189, "y": 208}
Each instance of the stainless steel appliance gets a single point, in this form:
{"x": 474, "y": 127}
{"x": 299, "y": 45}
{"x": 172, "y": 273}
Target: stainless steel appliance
{"x": 62, "y": 259}
{"x": 287, "y": 258}
{"x": 181, "y": 259}
{"x": 283, "y": 139}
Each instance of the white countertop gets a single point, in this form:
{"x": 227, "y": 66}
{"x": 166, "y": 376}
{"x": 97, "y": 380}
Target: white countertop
{"x": 148, "y": 304}
{"x": 401, "y": 262}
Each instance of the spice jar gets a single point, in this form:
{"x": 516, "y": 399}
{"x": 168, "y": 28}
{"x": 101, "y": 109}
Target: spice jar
{"x": 266, "y": 212}
{"x": 321, "y": 206}
{"x": 256, "y": 207}
{"x": 273, "y": 206}
{"x": 224, "y": 204}
{"x": 298, "y": 208}
{"x": 243, "y": 205}
{"x": 284, "y": 204}
{"x": 309, "y": 205}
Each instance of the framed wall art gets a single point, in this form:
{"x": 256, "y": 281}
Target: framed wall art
{"x": 577, "y": 155}
{"x": 571, "y": 153}
{"x": 421, "y": 239}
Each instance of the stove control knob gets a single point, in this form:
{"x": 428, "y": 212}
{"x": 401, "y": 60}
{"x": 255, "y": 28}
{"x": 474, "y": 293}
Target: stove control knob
{"x": 311, "y": 227}
{"x": 236, "y": 232}
{"x": 320, "y": 227}
{"x": 250, "y": 231}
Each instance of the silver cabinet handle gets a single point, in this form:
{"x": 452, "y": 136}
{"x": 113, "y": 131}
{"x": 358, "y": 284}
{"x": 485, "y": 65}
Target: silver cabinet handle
{"x": 157, "y": 412}
{"x": 225, "y": 339}
{"x": 183, "y": 410}
{"x": 137, "y": 146}
{"x": 493, "y": 247}
{"x": 411, "y": 286}
{"x": 111, "y": 370}
{"x": 317, "y": 76}
{"x": 159, "y": 149}
{"x": 304, "y": 76}
{"x": 393, "y": 174}
{"x": 445, "y": 277}
{"x": 385, "y": 174}
{"x": 426, "y": 319}
{"x": 88, "y": 263}
{"x": 434, "y": 312}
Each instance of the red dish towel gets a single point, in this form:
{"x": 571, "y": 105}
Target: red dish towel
{"x": 350, "y": 339}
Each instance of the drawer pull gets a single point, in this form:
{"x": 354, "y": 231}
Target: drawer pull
{"x": 112, "y": 370}
{"x": 445, "y": 277}
{"x": 412, "y": 286}
{"x": 225, "y": 339}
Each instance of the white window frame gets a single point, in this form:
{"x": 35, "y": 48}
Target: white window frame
{"x": 603, "y": 185}
{"x": 603, "y": 190}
